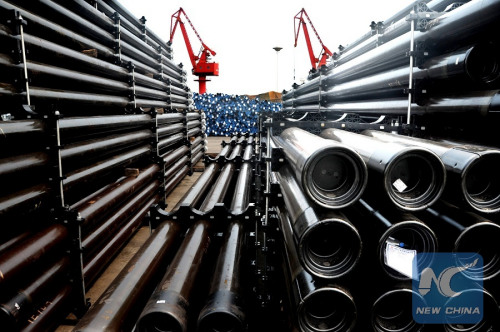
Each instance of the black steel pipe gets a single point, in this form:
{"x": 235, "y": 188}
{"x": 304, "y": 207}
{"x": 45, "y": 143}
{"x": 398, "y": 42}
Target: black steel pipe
{"x": 471, "y": 169}
{"x": 224, "y": 152}
{"x": 331, "y": 174}
{"x": 169, "y": 141}
{"x": 317, "y": 305}
{"x": 19, "y": 165}
{"x": 219, "y": 188}
{"x": 224, "y": 308}
{"x": 170, "y": 129}
{"x": 93, "y": 267}
{"x": 25, "y": 201}
{"x": 196, "y": 158}
{"x": 235, "y": 152}
{"x": 171, "y": 157}
{"x": 242, "y": 189}
{"x": 392, "y": 312}
{"x": 13, "y": 131}
{"x": 248, "y": 153}
{"x": 401, "y": 232}
{"x": 93, "y": 239}
{"x": 413, "y": 178}
{"x": 174, "y": 181}
{"x": 468, "y": 232}
{"x": 21, "y": 305}
{"x": 117, "y": 308}
{"x": 328, "y": 245}
{"x": 174, "y": 168}
{"x": 194, "y": 195}
{"x": 84, "y": 126}
{"x": 169, "y": 118}
{"x": 22, "y": 258}
{"x": 193, "y": 132}
{"x": 88, "y": 173}
{"x": 167, "y": 308}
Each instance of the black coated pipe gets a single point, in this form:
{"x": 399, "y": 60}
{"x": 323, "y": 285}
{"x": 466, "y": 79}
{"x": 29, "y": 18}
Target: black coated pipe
{"x": 329, "y": 246}
{"x": 23, "y": 257}
{"x": 219, "y": 188}
{"x": 169, "y": 141}
{"x": 471, "y": 169}
{"x": 248, "y": 153}
{"x": 403, "y": 232}
{"x": 235, "y": 152}
{"x": 200, "y": 187}
{"x": 22, "y": 303}
{"x": 84, "y": 126}
{"x": 117, "y": 308}
{"x": 167, "y": 308}
{"x": 19, "y": 165}
{"x": 88, "y": 173}
{"x": 169, "y": 118}
{"x": 174, "y": 181}
{"x": 174, "y": 168}
{"x": 241, "y": 194}
{"x": 171, "y": 157}
{"x": 196, "y": 158}
{"x": 413, "y": 178}
{"x": 224, "y": 152}
{"x": 224, "y": 308}
{"x": 331, "y": 174}
{"x": 25, "y": 201}
{"x": 13, "y": 131}
{"x": 392, "y": 311}
{"x": 317, "y": 305}
{"x": 170, "y": 129}
{"x": 467, "y": 232}
{"x": 92, "y": 269}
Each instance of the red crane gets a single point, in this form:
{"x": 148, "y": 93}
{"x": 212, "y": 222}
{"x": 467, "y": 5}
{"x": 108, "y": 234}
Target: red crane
{"x": 324, "y": 53}
{"x": 202, "y": 66}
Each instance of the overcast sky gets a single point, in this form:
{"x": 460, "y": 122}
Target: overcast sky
{"x": 243, "y": 34}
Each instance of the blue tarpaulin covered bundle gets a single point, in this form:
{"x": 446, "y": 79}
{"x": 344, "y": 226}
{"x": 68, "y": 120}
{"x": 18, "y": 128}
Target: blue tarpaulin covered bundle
{"x": 229, "y": 114}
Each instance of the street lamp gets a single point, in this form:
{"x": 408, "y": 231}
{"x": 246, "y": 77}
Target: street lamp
{"x": 277, "y": 49}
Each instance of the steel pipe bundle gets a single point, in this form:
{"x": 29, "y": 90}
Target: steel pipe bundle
{"x": 328, "y": 245}
{"x": 333, "y": 175}
{"x": 471, "y": 169}
{"x": 413, "y": 178}
{"x": 316, "y": 304}
{"x": 219, "y": 189}
{"x": 224, "y": 308}
{"x": 117, "y": 308}
{"x": 167, "y": 309}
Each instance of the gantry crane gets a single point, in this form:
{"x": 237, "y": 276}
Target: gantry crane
{"x": 316, "y": 62}
{"x": 202, "y": 66}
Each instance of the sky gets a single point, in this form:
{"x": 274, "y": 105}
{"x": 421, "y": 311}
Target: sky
{"x": 244, "y": 33}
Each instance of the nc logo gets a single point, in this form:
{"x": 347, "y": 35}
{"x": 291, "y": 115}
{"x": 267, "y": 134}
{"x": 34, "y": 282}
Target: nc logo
{"x": 443, "y": 281}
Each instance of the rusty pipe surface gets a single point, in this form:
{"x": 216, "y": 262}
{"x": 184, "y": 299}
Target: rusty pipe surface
{"x": 317, "y": 305}
{"x": 92, "y": 269}
{"x": 332, "y": 174}
{"x": 167, "y": 309}
{"x": 91, "y": 238}
{"x": 224, "y": 308}
{"x": 413, "y": 178}
{"x": 219, "y": 189}
{"x": 241, "y": 194}
{"x": 23, "y": 302}
{"x": 97, "y": 206}
{"x": 471, "y": 169}
{"x": 117, "y": 308}
{"x": 21, "y": 258}
{"x": 328, "y": 245}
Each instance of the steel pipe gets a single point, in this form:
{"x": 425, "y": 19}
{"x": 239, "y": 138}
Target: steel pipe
{"x": 248, "y": 153}
{"x": 22, "y": 164}
{"x": 467, "y": 232}
{"x": 194, "y": 195}
{"x": 22, "y": 303}
{"x": 219, "y": 188}
{"x": 166, "y": 118}
{"x": 78, "y": 127}
{"x": 93, "y": 267}
{"x": 317, "y": 305}
{"x": 117, "y": 308}
{"x": 328, "y": 245}
{"x": 333, "y": 175}
{"x": 24, "y": 201}
{"x": 471, "y": 169}
{"x": 14, "y": 131}
{"x": 170, "y": 130}
{"x": 22, "y": 258}
{"x": 171, "y": 157}
{"x": 173, "y": 169}
{"x": 241, "y": 193}
{"x": 224, "y": 308}
{"x": 413, "y": 178}
{"x": 174, "y": 181}
{"x": 400, "y": 231}
{"x": 167, "y": 308}
{"x": 235, "y": 152}
{"x": 392, "y": 312}
{"x": 169, "y": 141}
{"x": 196, "y": 158}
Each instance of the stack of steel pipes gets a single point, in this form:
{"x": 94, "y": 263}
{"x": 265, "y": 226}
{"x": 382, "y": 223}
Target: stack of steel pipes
{"x": 228, "y": 114}
{"x": 85, "y": 59}
{"x": 422, "y": 60}
{"x": 352, "y": 203}
{"x": 196, "y": 258}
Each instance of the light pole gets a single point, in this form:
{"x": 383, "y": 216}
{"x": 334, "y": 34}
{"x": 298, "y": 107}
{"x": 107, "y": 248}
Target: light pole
{"x": 277, "y": 49}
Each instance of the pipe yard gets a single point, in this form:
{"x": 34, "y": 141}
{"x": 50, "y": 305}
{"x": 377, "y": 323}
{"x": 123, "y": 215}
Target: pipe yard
{"x": 365, "y": 198}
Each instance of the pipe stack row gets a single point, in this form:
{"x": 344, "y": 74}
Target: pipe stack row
{"x": 228, "y": 114}
{"x": 343, "y": 225}
{"x": 190, "y": 274}
{"x": 448, "y": 65}
{"x": 84, "y": 59}
{"x": 97, "y": 127}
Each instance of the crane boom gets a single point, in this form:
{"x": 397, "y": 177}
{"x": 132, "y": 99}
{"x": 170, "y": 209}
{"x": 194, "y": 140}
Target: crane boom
{"x": 202, "y": 67}
{"x": 316, "y": 62}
